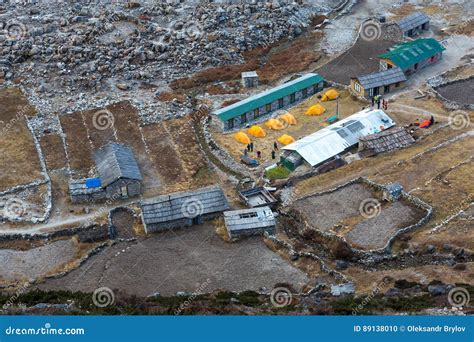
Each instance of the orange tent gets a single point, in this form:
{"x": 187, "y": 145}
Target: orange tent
{"x": 275, "y": 124}
{"x": 317, "y": 109}
{"x": 286, "y": 139}
{"x": 288, "y": 118}
{"x": 256, "y": 131}
{"x": 331, "y": 94}
{"x": 241, "y": 137}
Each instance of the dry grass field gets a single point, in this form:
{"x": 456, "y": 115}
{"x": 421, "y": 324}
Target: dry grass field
{"x": 167, "y": 153}
{"x": 19, "y": 162}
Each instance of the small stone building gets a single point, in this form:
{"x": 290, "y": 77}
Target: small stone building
{"x": 249, "y": 79}
{"x": 81, "y": 191}
{"x": 262, "y": 105}
{"x": 386, "y": 141}
{"x": 182, "y": 209}
{"x": 414, "y": 24}
{"x": 249, "y": 222}
{"x": 119, "y": 176}
{"x": 392, "y": 192}
{"x": 118, "y": 171}
{"x": 412, "y": 56}
{"x": 378, "y": 83}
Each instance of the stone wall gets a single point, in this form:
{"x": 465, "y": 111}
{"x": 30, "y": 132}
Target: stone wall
{"x": 438, "y": 82}
{"x": 388, "y": 246}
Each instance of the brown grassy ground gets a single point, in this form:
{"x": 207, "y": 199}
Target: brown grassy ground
{"x": 78, "y": 144}
{"x": 169, "y": 158}
{"x": 98, "y": 137}
{"x": 53, "y": 151}
{"x": 19, "y": 163}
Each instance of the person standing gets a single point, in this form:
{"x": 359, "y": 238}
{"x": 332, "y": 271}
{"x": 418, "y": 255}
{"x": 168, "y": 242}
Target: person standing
{"x": 273, "y": 154}
{"x": 373, "y": 101}
{"x": 275, "y": 146}
{"x": 251, "y": 146}
{"x": 378, "y": 101}
{"x": 259, "y": 154}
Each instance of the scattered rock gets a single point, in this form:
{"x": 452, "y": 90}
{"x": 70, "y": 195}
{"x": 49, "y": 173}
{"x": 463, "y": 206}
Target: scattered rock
{"x": 342, "y": 289}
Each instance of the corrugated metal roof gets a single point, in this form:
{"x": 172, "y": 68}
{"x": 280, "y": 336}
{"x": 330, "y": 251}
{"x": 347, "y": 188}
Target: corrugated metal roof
{"x": 249, "y": 74}
{"x": 268, "y": 96}
{"x": 406, "y": 54}
{"x": 115, "y": 161}
{"x": 334, "y": 139}
{"x": 382, "y": 78}
{"x": 79, "y": 187}
{"x": 185, "y": 204}
{"x": 413, "y": 20}
{"x": 246, "y": 219}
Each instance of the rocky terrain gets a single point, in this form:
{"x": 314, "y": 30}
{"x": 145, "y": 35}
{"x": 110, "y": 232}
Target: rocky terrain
{"x": 64, "y": 56}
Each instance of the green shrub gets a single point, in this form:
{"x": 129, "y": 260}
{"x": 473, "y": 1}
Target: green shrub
{"x": 279, "y": 172}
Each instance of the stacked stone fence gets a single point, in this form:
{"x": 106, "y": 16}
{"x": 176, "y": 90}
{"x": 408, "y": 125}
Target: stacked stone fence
{"x": 387, "y": 249}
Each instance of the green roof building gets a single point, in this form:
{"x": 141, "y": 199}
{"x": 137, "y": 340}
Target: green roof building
{"x": 412, "y": 56}
{"x": 244, "y": 112}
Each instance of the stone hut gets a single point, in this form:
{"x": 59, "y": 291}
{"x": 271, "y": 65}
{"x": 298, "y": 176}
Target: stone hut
{"x": 249, "y": 222}
{"x": 182, "y": 209}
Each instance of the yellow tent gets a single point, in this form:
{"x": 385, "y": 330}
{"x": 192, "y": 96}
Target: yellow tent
{"x": 331, "y": 94}
{"x": 256, "y": 131}
{"x": 275, "y": 124}
{"x": 241, "y": 137}
{"x": 285, "y": 139}
{"x": 317, "y": 109}
{"x": 288, "y": 118}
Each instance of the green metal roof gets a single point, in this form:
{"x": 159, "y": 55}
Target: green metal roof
{"x": 404, "y": 55}
{"x": 268, "y": 96}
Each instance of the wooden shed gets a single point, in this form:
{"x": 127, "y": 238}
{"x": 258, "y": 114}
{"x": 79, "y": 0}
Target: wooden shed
{"x": 182, "y": 209}
{"x": 249, "y": 222}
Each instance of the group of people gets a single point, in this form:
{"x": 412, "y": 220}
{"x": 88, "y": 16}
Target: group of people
{"x": 377, "y": 99}
{"x": 250, "y": 148}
